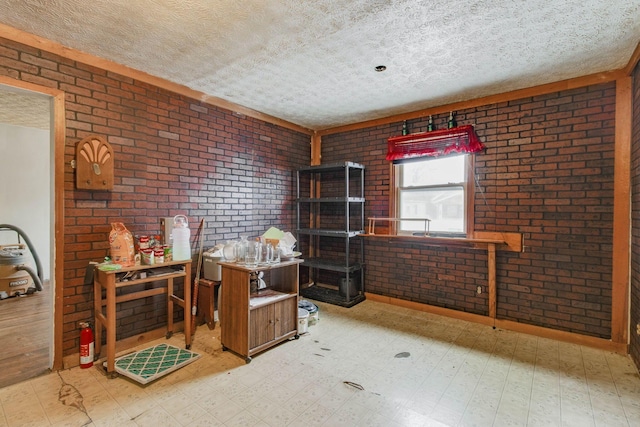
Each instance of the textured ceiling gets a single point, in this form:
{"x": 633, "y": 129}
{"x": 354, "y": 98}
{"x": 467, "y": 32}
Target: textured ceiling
{"x": 312, "y": 62}
{"x": 22, "y": 108}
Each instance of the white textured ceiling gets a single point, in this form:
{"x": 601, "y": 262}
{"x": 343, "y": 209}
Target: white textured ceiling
{"x": 23, "y": 108}
{"x": 312, "y": 62}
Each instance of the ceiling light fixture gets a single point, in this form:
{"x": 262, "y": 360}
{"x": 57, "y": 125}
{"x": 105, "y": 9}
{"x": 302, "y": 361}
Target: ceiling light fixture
{"x": 380, "y": 68}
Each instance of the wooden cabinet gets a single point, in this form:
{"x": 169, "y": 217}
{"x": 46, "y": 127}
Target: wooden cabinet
{"x": 106, "y": 283}
{"x": 271, "y": 322}
{"x": 251, "y": 322}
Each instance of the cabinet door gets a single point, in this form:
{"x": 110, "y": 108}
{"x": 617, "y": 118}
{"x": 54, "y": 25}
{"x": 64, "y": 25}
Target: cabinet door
{"x": 286, "y": 316}
{"x": 261, "y": 329}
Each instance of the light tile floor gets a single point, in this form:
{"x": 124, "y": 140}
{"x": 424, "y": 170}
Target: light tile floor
{"x": 370, "y": 365}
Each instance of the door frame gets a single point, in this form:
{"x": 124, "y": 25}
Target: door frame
{"x": 58, "y": 132}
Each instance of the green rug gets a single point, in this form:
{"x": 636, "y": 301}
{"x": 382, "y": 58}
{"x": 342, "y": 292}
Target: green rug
{"x": 154, "y": 362}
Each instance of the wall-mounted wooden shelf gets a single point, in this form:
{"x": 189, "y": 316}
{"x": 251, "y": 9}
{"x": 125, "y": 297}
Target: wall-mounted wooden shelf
{"x": 486, "y": 240}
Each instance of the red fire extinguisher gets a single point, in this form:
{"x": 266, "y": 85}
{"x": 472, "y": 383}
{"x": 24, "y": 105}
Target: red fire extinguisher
{"x": 86, "y": 345}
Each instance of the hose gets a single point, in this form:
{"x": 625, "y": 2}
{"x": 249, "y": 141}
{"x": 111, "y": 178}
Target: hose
{"x": 33, "y": 252}
{"x": 32, "y": 273}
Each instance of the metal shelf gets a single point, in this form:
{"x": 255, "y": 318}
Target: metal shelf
{"x": 331, "y": 200}
{"x": 331, "y": 167}
{"x": 325, "y": 264}
{"x": 339, "y": 180}
{"x": 329, "y": 233}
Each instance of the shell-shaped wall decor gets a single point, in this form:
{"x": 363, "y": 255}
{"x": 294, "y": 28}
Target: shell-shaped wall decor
{"x": 94, "y": 164}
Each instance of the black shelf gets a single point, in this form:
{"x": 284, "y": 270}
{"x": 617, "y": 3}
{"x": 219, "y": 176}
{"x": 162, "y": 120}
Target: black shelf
{"x": 329, "y": 233}
{"x": 330, "y": 200}
{"x": 324, "y": 264}
{"x": 330, "y": 296}
{"x": 331, "y": 167}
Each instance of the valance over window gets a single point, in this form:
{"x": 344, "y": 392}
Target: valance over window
{"x": 461, "y": 139}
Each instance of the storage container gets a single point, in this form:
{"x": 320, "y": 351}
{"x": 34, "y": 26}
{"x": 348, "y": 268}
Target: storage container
{"x": 303, "y": 321}
{"x": 210, "y": 267}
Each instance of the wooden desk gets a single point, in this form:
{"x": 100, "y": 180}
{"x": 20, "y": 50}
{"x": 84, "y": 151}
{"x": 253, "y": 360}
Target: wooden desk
{"x": 110, "y": 281}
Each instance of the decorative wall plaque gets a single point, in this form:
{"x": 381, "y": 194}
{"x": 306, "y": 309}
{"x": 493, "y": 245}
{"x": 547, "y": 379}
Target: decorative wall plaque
{"x": 94, "y": 164}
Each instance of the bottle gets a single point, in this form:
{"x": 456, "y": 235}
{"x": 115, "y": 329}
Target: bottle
{"x": 452, "y": 122}
{"x": 181, "y": 235}
{"x": 241, "y": 249}
{"x": 405, "y": 129}
{"x": 430, "y": 126}
{"x": 230, "y": 251}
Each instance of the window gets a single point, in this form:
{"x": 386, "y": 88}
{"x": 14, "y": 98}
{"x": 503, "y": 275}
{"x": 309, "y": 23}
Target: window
{"x": 434, "y": 188}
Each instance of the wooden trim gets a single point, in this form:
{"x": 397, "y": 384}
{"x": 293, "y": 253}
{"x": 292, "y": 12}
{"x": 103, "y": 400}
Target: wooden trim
{"x": 487, "y": 100}
{"x": 105, "y": 64}
{"x": 470, "y": 193}
{"x": 8, "y": 81}
{"x": 621, "y": 214}
{"x": 316, "y": 149}
{"x": 58, "y": 138}
{"x": 633, "y": 61}
{"x": 568, "y": 337}
{"x": 394, "y": 208}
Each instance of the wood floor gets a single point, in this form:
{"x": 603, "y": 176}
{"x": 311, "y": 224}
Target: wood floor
{"x": 24, "y": 336}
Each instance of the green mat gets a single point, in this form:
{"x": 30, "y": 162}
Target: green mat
{"x": 154, "y": 362}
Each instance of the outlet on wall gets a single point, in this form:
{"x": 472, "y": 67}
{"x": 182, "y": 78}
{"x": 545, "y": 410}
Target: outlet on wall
{"x": 638, "y": 328}
{"x": 479, "y": 290}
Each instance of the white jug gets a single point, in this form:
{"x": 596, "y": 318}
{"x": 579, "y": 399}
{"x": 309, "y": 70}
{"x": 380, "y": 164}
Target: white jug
{"x": 181, "y": 235}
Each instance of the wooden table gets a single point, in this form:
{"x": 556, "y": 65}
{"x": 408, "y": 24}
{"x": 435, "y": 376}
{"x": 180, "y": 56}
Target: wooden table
{"x": 112, "y": 280}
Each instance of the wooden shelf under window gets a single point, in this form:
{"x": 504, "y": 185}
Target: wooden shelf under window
{"x": 509, "y": 242}
{"x": 483, "y": 240}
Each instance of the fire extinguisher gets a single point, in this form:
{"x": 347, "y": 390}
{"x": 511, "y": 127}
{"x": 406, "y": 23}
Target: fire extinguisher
{"x": 86, "y": 345}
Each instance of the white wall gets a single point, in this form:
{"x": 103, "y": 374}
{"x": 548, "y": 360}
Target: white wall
{"x": 25, "y": 193}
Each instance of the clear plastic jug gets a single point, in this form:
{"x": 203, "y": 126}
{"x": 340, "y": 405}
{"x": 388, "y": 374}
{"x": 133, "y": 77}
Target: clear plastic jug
{"x": 181, "y": 235}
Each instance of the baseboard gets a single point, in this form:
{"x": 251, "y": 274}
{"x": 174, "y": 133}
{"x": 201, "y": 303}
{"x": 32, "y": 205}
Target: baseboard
{"x": 539, "y": 331}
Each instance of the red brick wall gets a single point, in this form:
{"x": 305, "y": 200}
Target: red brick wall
{"x": 547, "y": 173}
{"x": 634, "y": 348}
{"x": 173, "y": 155}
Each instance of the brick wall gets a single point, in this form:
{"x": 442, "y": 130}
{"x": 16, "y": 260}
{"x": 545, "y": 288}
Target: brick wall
{"x": 634, "y": 348}
{"x": 547, "y": 173}
{"x": 173, "y": 155}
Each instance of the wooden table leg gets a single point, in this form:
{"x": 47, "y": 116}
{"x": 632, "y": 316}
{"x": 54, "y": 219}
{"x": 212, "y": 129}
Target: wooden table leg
{"x": 169, "y": 307}
{"x": 491, "y": 271}
{"x": 97, "y": 324}
{"x": 110, "y": 326}
{"x": 187, "y": 305}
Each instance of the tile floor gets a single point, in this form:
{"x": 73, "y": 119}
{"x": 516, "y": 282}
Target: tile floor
{"x": 370, "y": 365}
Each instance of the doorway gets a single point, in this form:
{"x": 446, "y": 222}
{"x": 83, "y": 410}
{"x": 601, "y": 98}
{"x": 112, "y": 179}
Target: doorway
{"x": 31, "y": 143}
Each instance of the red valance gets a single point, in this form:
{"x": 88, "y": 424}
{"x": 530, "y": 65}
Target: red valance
{"x": 461, "y": 139}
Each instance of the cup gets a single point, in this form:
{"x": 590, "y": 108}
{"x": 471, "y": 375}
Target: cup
{"x": 252, "y": 254}
{"x": 268, "y": 253}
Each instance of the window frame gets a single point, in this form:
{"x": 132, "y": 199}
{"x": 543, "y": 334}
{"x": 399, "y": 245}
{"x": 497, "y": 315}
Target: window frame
{"x": 469, "y": 191}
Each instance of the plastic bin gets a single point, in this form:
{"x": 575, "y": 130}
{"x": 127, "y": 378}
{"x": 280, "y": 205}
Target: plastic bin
{"x": 303, "y": 321}
{"x": 210, "y": 268}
